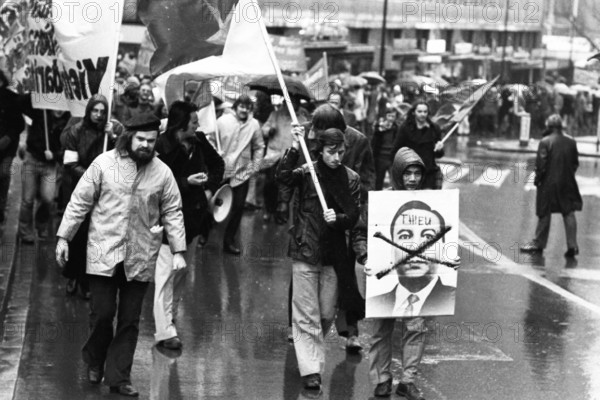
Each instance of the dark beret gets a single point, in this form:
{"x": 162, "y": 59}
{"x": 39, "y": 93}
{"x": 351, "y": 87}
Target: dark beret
{"x": 144, "y": 122}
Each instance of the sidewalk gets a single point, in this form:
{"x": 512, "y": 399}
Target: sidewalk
{"x": 586, "y": 145}
{"x": 8, "y": 233}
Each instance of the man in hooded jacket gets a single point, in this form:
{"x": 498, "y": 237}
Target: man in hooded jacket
{"x": 407, "y": 173}
{"x": 83, "y": 142}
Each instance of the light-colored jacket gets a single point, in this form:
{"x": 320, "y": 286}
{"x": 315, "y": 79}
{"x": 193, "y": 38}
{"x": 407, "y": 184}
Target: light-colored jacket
{"x": 243, "y": 147}
{"x": 125, "y": 203}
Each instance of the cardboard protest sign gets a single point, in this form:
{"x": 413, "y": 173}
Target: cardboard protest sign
{"x": 413, "y": 236}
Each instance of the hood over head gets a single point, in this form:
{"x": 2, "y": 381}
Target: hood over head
{"x": 404, "y": 158}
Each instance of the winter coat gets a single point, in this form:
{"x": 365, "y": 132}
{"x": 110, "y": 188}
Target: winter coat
{"x": 204, "y": 158}
{"x": 555, "y": 167}
{"x": 310, "y": 231}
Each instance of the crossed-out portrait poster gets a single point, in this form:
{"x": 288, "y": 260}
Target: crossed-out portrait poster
{"x": 413, "y": 247}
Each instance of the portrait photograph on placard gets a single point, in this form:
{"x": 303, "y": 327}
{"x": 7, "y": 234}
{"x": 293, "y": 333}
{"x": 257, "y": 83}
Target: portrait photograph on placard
{"x": 413, "y": 249}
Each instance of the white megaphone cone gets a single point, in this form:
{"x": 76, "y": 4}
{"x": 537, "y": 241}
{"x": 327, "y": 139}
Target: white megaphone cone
{"x": 220, "y": 203}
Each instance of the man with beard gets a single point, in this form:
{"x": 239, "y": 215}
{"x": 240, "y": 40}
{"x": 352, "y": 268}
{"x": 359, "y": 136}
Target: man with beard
{"x": 243, "y": 147}
{"x": 83, "y": 142}
{"x": 129, "y": 193}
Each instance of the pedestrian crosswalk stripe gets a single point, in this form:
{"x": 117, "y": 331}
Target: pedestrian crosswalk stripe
{"x": 506, "y": 265}
{"x": 529, "y": 186}
{"x": 492, "y": 177}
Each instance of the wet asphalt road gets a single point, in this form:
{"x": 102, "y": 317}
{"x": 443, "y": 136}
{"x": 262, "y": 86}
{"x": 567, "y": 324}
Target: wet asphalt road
{"x": 513, "y": 337}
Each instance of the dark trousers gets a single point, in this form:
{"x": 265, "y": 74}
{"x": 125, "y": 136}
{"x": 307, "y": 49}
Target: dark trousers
{"x": 114, "y": 349}
{"x": 237, "y": 210}
{"x": 382, "y": 165}
{"x": 270, "y": 190}
{"x": 75, "y": 267}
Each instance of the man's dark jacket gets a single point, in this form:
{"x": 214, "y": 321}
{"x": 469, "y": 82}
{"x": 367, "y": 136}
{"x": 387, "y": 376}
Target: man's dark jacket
{"x": 310, "y": 231}
{"x": 36, "y": 141}
{"x": 555, "y": 167}
{"x": 204, "y": 158}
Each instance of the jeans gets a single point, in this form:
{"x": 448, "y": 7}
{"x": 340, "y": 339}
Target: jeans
{"x": 105, "y": 347}
{"x": 313, "y": 312}
{"x": 542, "y": 230}
{"x": 380, "y": 354}
{"x": 38, "y": 177}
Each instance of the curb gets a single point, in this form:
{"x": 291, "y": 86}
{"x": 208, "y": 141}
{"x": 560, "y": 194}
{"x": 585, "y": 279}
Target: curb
{"x": 8, "y": 240}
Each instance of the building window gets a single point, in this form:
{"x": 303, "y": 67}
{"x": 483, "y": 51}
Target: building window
{"x": 397, "y": 33}
{"x": 276, "y": 30}
{"x": 448, "y": 38}
{"x": 363, "y": 36}
{"x": 422, "y": 38}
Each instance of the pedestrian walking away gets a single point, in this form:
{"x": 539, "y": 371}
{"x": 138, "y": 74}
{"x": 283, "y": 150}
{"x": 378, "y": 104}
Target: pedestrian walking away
{"x": 557, "y": 191}
{"x": 132, "y": 197}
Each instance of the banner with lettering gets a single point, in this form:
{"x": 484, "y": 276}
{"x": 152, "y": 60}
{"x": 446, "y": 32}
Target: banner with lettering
{"x": 87, "y": 32}
{"x": 63, "y": 52}
{"x": 412, "y": 243}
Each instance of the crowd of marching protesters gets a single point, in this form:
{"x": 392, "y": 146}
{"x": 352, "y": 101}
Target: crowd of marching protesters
{"x": 173, "y": 166}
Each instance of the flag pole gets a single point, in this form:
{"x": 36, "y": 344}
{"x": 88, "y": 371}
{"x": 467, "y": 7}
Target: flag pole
{"x": 112, "y": 82}
{"x": 291, "y": 110}
{"x": 46, "y": 130}
{"x": 326, "y": 68}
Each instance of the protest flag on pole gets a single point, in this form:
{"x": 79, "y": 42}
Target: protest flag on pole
{"x": 316, "y": 79}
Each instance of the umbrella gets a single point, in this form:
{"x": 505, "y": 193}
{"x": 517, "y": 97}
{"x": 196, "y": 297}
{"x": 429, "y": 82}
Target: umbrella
{"x": 348, "y": 80}
{"x": 270, "y": 85}
{"x": 421, "y": 80}
{"x": 522, "y": 91}
{"x": 563, "y": 89}
{"x": 581, "y": 88}
{"x": 372, "y": 77}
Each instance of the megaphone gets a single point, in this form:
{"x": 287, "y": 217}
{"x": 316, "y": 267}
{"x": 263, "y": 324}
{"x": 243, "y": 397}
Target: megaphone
{"x": 220, "y": 204}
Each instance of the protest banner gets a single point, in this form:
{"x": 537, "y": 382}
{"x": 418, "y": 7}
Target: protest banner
{"x": 413, "y": 235}
{"x": 61, "y": 51}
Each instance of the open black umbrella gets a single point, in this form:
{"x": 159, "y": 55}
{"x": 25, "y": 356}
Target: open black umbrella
{"x": 270, "y": 84}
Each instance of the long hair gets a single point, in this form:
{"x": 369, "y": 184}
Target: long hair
{"x": 123, "y": 143}
{"x": 179, "y": 117}
{"x": 410, "y": 116}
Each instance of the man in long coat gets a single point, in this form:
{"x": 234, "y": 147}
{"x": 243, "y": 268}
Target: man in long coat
{"x": 556, "y": 164}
